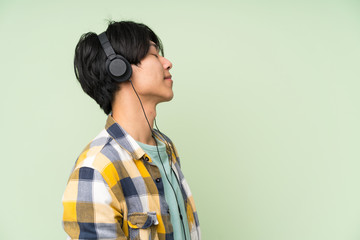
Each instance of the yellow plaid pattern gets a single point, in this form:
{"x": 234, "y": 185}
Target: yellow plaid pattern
{"x": 112, "y": 192}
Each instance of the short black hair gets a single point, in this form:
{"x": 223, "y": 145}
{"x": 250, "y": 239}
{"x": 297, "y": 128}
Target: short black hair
{"x": 129, "y": 39}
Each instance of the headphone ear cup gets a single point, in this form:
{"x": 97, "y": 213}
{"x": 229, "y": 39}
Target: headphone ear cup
{"x": 119, "y": 68}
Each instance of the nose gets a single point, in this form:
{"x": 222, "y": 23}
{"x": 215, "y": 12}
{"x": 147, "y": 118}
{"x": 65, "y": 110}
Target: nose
{"x": 167, "y": 64}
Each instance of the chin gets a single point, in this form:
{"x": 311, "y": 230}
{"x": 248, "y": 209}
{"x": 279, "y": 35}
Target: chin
{"x": 171, "y": 96}
{"x": 168, "y": 98}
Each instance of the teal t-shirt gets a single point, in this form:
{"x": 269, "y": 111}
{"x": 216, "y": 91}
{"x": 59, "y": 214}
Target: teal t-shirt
{"x": 169, "y": 193}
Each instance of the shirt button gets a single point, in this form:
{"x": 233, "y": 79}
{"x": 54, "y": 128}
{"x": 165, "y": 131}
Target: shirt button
{"x": 146, "y": 159}
{"x": 157, "y": 180}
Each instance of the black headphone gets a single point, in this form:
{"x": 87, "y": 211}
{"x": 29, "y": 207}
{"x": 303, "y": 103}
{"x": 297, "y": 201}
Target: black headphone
{"x": 117, "y": 66}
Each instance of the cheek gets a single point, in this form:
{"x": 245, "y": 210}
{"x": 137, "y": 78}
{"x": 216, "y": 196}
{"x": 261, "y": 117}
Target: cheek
{"x": 148, "y": 74}
{"x": 156, "y": 72}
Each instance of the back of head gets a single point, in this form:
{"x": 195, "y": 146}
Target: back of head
{"x": 129, "y": 39}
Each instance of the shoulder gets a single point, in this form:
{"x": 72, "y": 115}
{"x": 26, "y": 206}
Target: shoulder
{"x": 101, "y": 154}
{"x": 92, "y": 150}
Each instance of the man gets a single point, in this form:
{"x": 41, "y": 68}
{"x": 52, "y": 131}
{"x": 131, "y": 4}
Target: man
{"x": 127, "y": 182}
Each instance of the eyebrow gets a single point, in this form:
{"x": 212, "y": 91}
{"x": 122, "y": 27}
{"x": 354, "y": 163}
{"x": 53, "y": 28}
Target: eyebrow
{"x": 154, "y": 45}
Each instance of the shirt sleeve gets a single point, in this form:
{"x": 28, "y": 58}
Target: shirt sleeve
{"x": 89, "y": 207}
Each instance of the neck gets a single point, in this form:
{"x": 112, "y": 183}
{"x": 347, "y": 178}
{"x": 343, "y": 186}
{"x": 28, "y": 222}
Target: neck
{"x": 127, "y": 111}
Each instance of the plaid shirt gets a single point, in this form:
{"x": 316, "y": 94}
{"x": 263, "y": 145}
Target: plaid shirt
{"x": 115, "y": 191}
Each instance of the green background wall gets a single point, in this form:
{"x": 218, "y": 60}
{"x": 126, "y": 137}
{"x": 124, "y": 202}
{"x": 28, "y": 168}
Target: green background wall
{"x": 265, "y": 115}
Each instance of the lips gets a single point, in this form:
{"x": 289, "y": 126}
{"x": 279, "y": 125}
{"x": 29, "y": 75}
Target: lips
{"x": 168, "y": 77}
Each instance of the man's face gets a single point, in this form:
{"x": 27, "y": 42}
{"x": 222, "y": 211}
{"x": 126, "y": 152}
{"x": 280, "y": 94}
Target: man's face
{"x": 151, "y": 78}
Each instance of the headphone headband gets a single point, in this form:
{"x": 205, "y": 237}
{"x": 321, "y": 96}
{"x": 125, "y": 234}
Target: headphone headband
{"x": 109, "y": 51}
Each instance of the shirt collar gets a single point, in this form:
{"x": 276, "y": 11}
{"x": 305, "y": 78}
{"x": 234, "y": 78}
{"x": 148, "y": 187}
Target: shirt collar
{"x": 123, "y": 138}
